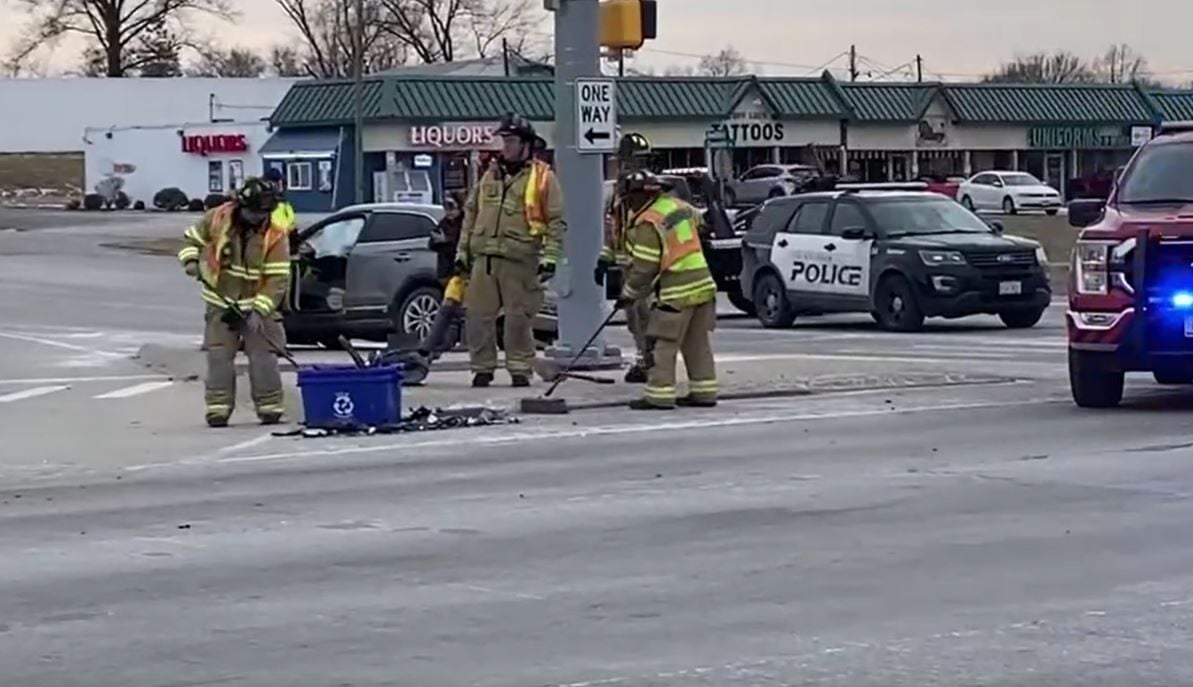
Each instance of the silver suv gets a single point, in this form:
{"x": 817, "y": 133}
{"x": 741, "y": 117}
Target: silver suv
{"x": 367, "y": 272}
{"x": 767, "y": 181}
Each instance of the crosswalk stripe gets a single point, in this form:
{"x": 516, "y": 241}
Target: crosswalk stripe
{"x": 135, "y": 390}
{"x": 31, "y": 393}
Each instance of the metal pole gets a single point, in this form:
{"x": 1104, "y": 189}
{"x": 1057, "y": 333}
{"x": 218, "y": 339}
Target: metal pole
{"x": 357, "y": 102}
{"x": 581, "y": 302}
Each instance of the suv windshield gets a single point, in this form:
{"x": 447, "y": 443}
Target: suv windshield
{"x": 1162, "y": 173}
{"x": 927, "y": 216}
{"x": 1021, "y": 180}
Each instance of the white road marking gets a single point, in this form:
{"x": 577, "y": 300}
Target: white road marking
{"x": 72, "y": 380}
{"x": 135, "y": 390}
{"x": 59, "y": 344}
{"x": 32, "y": 393}
{"x": 245, "y": 444}
{"x": 611, "y": 430}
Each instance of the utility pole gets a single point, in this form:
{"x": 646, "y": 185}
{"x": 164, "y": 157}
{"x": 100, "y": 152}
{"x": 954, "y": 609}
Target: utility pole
{"x": 919, "y": 69}
{"x": 581, "y": 301}
{"x": 358, "y": 58}
{"x": 621, "y": 63}
{"x": 853, "y": 63}
{"x": 505, "y": 55}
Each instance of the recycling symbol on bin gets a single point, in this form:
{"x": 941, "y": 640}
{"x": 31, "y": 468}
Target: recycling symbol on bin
{"x": 343, "y": 405}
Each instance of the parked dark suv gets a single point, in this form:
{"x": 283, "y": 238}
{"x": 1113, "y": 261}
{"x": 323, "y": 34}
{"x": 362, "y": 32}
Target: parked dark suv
{"x": 367, "y": 272}
{"x": 1131, "y": 284}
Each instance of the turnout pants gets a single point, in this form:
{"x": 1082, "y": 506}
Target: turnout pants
{"x": 501, "y": 286}
{"x": 674, "y": 331}
{"x": 221, "y": 343}
{"x": 637, "y": 319}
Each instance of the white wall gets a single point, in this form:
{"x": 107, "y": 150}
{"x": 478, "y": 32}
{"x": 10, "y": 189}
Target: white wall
{"x": 151, "y": 158}
{"x": 49, "y": 115}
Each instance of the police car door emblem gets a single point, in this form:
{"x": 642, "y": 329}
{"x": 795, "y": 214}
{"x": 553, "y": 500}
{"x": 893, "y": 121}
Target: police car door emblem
{"x": 343, "y": 405}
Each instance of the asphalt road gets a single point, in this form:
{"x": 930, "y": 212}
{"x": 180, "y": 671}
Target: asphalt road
{"x": 973, "y": 535}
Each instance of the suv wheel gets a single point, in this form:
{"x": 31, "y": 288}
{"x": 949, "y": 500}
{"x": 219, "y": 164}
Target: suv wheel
{"x": 415, "y": 312}
{"x": 1021, "y": 319}
{"x": 739, "y": 300}
{"x": 770, "y": 301}
{"x": 776, "y": 192}
{"x": 967, "y": 202}
{"x": 896, "y": 307}
{"x": 1094, "y": 380}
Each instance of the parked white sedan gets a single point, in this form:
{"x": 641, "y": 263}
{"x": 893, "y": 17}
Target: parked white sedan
{"x": 1009, "y": 192}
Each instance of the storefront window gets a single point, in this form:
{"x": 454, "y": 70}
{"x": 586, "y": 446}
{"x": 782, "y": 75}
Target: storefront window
{"x": 235, "y": 174}
{"x": 455, "y": 172}
{"x": 215, "y": 177}
{"x": 298, "y": 176}
{"x": 746, "y": 158}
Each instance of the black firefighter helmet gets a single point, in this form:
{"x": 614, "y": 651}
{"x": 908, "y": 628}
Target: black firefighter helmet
{"x": 641, "y": 182}
{"x": 513, "y": 124}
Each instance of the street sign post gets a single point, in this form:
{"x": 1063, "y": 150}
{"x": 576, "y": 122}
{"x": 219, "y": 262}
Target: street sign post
{"x": 582, "y": 100}
{"x": 596, "y": 115}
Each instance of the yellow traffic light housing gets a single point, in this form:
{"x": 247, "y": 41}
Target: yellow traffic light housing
{"x": 627, "y": 24}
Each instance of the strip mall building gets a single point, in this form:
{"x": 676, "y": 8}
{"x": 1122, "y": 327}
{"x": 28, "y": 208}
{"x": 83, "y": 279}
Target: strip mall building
{"x": 427, "y": 136}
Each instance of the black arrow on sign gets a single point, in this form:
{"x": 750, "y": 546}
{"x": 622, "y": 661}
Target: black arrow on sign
{"x": 594, "y": 136}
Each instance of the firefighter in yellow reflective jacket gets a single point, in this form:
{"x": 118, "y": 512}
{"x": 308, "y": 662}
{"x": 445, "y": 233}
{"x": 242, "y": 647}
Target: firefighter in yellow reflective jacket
{"x": 633, "y": 153}
{"x": 668, "y": 260}
{"x": 283, "y": 216}
{"x": 242, "y": 259}
{"x": 509, "y": 246}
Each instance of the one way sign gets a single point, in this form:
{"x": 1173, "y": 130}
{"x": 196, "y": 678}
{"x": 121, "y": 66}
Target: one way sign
{"x": 596, "y": 115}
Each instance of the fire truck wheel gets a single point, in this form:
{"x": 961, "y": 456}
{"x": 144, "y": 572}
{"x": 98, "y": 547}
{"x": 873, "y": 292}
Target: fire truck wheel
{"x": 1095, "y": 380}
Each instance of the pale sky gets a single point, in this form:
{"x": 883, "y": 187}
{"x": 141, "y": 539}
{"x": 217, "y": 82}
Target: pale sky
{"x": 959, "y": 39}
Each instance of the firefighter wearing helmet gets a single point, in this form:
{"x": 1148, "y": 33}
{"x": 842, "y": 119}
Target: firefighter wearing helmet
{"x": 509, "y": 246}
{"x": 241, "y": 257}
{"x": 633, "y": 153}
{"x": 667, "y": 261}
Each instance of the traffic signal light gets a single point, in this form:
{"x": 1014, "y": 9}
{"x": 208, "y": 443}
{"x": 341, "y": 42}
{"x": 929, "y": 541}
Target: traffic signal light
{"x": 627, "y": 24}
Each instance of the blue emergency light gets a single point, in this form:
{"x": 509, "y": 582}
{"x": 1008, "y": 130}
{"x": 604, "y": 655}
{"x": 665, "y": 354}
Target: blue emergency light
{"x": 1182, "y": 299}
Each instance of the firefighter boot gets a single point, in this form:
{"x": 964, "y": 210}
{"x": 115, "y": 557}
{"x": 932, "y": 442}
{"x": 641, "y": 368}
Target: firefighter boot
{"x": 216, "y": 420}
{"x": 690, "y": 402}
{"x": 519, "y": 380}
{"x": 482, "y": 380}
{"x": 643, "y": 404}
{"x": 636, "y": 374}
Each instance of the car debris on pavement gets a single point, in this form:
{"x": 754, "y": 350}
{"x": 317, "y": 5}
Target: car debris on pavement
{"x": 421, "y": 419}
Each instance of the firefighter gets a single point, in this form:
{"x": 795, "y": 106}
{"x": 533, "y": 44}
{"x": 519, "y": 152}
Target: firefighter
{"x": 283, "y": 216}
{"x": 633, "y": 152}
{"x": 509, "y": 246}
{"x": 241, "y": 257}
{"x": 667, "y": 259}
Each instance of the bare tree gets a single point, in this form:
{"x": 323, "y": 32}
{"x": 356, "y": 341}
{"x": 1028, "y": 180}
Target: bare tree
{"x": 446, "y": 30}
{"x": 285, "y": 60}
{"x": 1056, "y": 68}
{"x": 727, "y": 62}
{"x": 240, "y": 63}
{"x": 326, "y": 28}
{"x": 679, "y": 70}
{"x": 1121, "y": 64}
{"x": 113, "y": 27}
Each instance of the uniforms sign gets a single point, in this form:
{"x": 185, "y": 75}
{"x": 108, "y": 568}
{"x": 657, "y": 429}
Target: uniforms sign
{"x": 596, "y": 115}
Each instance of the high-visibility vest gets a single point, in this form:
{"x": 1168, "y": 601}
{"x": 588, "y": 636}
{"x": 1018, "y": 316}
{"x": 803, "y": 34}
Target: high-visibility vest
{"x": 684, "y": 278}
{"x": 219, "y": 231}
{"x": 535, "y": 198}
{"x": 283, "y": 216}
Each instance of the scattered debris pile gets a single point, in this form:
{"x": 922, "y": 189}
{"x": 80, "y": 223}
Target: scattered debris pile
{"x": 422, "y": 419}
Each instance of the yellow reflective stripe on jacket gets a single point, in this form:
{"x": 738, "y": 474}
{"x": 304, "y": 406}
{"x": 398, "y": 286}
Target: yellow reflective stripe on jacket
{"x": 276, "y": 268}
{"x": 263, "y": 304}
{"x": 688, "y": 292}
{"x": 646, "y": 253}
{"x": 215, "y": 299}
{"x": 188, "y": 254}
{"x": 688, "y": 263}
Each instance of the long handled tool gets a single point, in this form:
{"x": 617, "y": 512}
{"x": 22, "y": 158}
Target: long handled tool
{"x": 545, "y": 405}
{"x": 240, "y": 318}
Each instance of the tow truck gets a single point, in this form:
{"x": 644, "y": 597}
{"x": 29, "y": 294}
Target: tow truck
{"x": 1130, "y": 299}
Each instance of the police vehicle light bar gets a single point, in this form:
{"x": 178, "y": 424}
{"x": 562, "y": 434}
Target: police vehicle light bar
{"x": 1182, "y": 300}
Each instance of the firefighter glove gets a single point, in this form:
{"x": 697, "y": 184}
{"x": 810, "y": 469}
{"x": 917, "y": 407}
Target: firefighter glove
{"x": 602, "y": 269}
{"x": 191, "y": 268}
{"x": 623, "y": 302}
{"x": 232, "y": 317}
{"x": 462, "y": 267}
{"x": 546, "y": 271}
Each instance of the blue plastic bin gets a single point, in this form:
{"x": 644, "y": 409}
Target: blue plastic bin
{"x": 337, "y": 396}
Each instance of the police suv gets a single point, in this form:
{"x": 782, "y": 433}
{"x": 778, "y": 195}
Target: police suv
{"x": 897, "y": 252}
